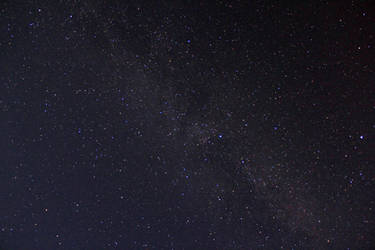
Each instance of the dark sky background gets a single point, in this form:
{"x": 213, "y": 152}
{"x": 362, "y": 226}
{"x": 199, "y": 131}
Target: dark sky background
{"x": 187, "y": 125}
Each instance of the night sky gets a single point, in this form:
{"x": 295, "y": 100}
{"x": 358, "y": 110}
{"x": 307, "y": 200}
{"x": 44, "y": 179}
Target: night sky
{"x": 187, "y": 125}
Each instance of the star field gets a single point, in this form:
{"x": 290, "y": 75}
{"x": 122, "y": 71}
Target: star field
{"x": 187, "y": 125}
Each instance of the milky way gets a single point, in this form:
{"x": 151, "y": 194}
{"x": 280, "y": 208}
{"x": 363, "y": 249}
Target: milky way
{"x": 186, "y": 125}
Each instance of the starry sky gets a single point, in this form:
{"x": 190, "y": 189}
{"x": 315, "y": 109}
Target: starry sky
{"x": 187, "y": 124}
